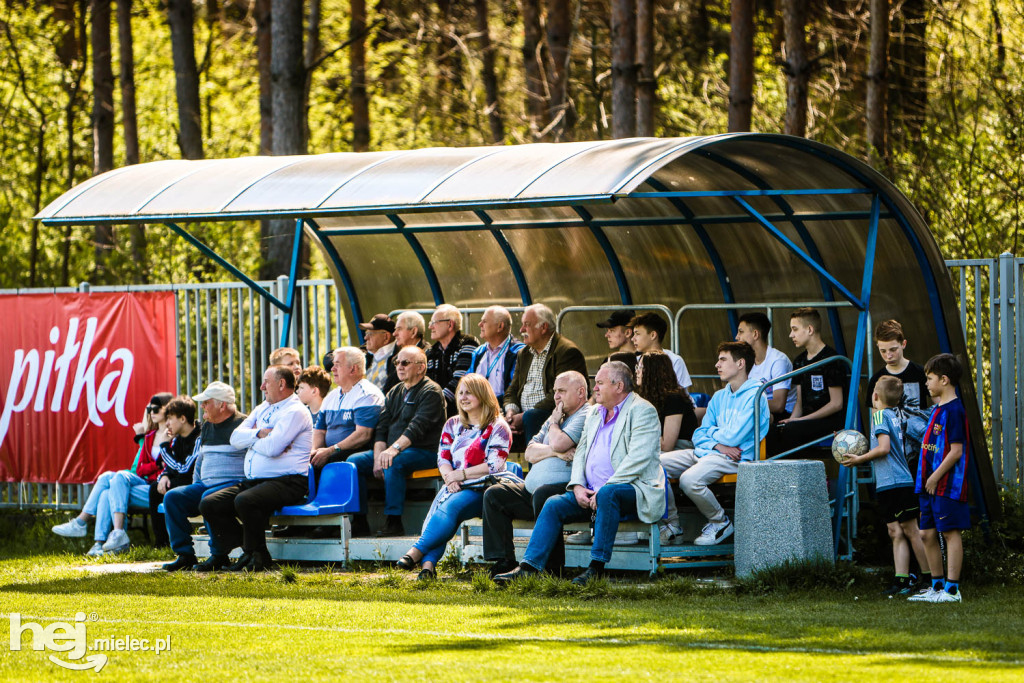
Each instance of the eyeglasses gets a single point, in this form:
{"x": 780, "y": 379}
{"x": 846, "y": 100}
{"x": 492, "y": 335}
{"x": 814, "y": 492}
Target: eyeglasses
{"x": 403, "y": 363}
{"x": 152, "y": 408}
{"x": 435, "y": 322}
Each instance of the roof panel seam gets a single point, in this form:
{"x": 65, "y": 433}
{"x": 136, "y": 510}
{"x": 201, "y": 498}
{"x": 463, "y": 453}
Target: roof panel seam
{"x": 358, "y": 173}
{"x": 559, "y": 163}
{"x": 258, "y": 180}
{"x": 455, "y": 171}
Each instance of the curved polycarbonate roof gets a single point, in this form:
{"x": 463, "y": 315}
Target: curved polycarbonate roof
{"x": 742, "y": 219}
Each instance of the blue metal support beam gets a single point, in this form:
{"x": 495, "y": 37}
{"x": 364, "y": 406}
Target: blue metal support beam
{"x": 421, "y": 256}
{"x": 797, "y": 221}
{"x": 253, "y": 285}
{"x": 293, "y": 272}
{"x": 860, "y": 344}
{"x": 510, "y": 256}
{"x": 788, "y": 243}
{"x": 346, "y": 279}
{"x": 625, "y": 296}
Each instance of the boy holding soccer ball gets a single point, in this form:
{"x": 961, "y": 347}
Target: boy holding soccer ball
{"x": 942, "y": 479}
{"x": 893, "y": 483}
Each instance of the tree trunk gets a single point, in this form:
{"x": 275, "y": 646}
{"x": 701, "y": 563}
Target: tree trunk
{"x": 357, "y": 89}
{"x": 623, "y": 69}
{"x": 533, "y": 62}
{"x": 312, "y": 53}
{"x": 129, "y": 122}
{"x": 741, "y": 65}
{"x": 559, "y": 36}
{"x": 186, "y": 78}
{"x": 287, "y": 77}
{"x": 796, "y": 66}
{"x": 647, "y": 86}
{"x": 908, "y": 76}
{"x": 263, "y": 60}
{"x": 878, "y": 152}
{"x": 72, "y": 51}
{"x": 102, "y": 124}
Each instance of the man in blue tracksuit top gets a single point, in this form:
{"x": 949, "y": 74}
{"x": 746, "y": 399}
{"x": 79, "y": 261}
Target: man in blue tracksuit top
{"x": 725, "y": 437}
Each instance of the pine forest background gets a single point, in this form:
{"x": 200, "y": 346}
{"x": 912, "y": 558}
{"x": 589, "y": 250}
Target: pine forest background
{"x": 928, "y": 91}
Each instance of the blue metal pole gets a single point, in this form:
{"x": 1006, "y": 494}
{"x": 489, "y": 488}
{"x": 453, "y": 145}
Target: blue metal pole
{"x": 510, "y": 256}
{"x": 343, "y": 274}
{"x": 625, "y": 296}
{"x": 293, "y": 272}
{"x": 421, "y": 256}
{"x": 253, "y": 285}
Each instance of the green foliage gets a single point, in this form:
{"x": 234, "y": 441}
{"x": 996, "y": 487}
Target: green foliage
{"x": 996, "y": 555}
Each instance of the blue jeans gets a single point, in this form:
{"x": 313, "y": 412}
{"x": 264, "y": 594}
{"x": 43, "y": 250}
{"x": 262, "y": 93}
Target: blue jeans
{"x": 114, "y": 492}
{"x": 615, "y": 502}
{"x": 404, "y": 464}
{"x": 180, "y": 504}
{"x": 442, "y": 524}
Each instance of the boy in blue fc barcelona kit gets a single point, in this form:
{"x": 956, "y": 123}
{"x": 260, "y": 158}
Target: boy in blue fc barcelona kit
{"x": 942, "y": 480}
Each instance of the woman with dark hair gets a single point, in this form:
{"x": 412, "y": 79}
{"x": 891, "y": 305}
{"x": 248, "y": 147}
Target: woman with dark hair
{"x": 151, "y": 437}
{"x": 657, "y": 383}
{"x": 474, "y": 444}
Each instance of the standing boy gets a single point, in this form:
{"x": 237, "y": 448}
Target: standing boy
{"x": 942, "y": 480}
{"x": 893, "y": 483}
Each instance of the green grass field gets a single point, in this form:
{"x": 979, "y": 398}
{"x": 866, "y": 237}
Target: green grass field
{"x": 318, "y": 624}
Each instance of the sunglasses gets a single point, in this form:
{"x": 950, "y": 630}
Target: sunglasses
{"x": 151, "y": 408}
{"x": 403, "y": 363}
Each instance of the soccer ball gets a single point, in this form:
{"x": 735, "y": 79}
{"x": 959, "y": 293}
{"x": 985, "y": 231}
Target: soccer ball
{"x": 848, "y": 442}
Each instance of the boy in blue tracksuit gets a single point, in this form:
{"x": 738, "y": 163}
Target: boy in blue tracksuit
{"x": 725, "y": 437}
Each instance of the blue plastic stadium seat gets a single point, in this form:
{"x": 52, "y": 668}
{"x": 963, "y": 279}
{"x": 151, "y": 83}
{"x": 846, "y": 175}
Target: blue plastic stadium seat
{"x": 338, "y": 493}
{"x": 515, "y": 468}
{"x": 700, "y": 400}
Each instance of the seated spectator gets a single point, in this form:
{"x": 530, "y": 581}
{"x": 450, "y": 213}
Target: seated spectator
{"x": 378, "y": 334}
{"x": 150, "y": 436}
{"x": 406, "y": 437}
{"x": 769, "y": 363}
{"x": 349, "y": 414}
{"x": 618, "y": 332}
{"x": 289, "y": 357}
{"x": 278, "y": 436}
{"x": 529, "y": 399}
{"x": 629, "y": 358}
{"x": 656, "y": 383}
{"x": 725, "y": 437}
{"x": 495, "y": 357}
{"x": 218, "y": 464}
{"x": 820, "y": 408}
{"x": 178, "y": 457}
{"x": 616, "y": 474}
{"x": 451, "y": 353}
{"x": 474, "y": 444}
{"x": 312, "y": 388}
{"x": 648, "y": 332}
{"x": 409, "y": 330}
{"x": 550, "y": 454}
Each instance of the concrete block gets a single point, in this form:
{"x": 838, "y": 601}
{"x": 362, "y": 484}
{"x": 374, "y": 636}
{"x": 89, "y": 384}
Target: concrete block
{"x": 781, "y": 514}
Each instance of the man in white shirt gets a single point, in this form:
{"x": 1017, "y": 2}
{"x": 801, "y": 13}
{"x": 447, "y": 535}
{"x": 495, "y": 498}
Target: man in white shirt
{"x": 278, "y": 436}
{"x": 769, "y": 363}
{"x": 648, "y": 332}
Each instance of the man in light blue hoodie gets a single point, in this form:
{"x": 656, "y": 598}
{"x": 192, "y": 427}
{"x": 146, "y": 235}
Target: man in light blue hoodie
{"x": 725, "y": 437}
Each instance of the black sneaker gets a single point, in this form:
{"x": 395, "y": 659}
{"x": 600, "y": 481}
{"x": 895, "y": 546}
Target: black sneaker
{"x": 186, "y": 561}
{"x": 393, "y": 527}
{"x": 213, "y": 563}
{"x": 261, "y": 562}
{"x": 522, "y": 570}
{"x": 590, "y": 574}
{"x": 501, "y": 567}
{"x": 243, "y": 562}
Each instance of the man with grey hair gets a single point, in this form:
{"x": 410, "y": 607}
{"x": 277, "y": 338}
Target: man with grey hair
{"x": 495, "y": 358}
{"x": 529, "y": 399}
{"x": 218, "y": 465}
{"x": 451, "y": 352}
{"x": 409, "y": 330}
{"x": 616, "y": 473}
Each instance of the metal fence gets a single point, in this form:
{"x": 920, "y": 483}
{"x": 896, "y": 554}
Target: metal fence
{"x": 226, "y": 332}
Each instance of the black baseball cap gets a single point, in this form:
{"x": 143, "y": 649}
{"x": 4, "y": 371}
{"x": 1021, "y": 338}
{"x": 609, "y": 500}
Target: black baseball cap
{"x": 379, "y": 322}
{"x": 618, "y": 318}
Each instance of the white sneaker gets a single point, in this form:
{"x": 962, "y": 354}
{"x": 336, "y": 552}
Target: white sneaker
{"x": 96, "y": 550}
{"x": 580, "y": 538}
{"x": 72, "y": 529}
{"x": 926, "y": 595}
{"x": 117, "y": 541}
{"x": 669, "y": 532}
{"x": 627, "y": 538}
{"x": 943, "y": 596}
{"x": 714, "y": 533}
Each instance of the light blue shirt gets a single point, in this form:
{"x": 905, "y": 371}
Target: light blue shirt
{"x": 555, "y": 470}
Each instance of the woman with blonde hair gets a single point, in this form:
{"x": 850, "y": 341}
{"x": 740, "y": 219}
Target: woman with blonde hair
{"x": 474, "y": 445}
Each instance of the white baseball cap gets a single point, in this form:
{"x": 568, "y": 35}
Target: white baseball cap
{"x": 218, "y": 391}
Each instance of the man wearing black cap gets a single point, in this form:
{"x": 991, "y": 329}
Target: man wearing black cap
{"x": 618, "y": 332}
{"x": 380, "y": 344}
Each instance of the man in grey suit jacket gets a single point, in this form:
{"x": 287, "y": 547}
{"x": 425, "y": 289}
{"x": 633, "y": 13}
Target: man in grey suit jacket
{"x": 616, "y": 474}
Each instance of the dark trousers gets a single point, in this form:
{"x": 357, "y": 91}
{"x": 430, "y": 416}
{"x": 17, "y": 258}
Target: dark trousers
{"x": 252, "y": 501}
{"x": 508, "y": 501}
{"x": 156, "y": 519}
{"x": 336, "y": 456}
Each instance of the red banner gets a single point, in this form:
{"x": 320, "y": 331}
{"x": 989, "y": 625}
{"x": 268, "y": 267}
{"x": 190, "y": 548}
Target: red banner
{"x": 76, "y": 372}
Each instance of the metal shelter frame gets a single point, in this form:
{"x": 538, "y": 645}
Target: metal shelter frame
{"x": 356, "y": 203}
